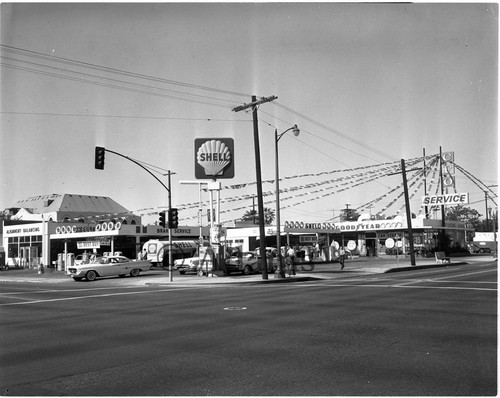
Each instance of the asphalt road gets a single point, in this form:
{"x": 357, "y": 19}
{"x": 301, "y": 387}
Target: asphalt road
{"x": 426, "y": 332}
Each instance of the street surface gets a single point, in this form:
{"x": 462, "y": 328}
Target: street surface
{"x": 422, "y": 332}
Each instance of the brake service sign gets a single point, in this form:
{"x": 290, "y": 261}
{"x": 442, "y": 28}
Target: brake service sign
{"x": 451, "y": 199}
{"x": 214, "y": 158}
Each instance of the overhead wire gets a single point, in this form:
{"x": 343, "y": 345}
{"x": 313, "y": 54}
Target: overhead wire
{"x": 334, "y": 131}
{"x": 302, "y": 130}
{"x": 122, "y": 116}
{"x": 109, "y": 85}
{"x": 35, "y": 54}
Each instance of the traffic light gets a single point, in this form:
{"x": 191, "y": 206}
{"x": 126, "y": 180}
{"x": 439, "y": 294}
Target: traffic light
{"x": 99, "y": 157}
{"x": 173, "y": 218}
{"x": 162, "y": 215}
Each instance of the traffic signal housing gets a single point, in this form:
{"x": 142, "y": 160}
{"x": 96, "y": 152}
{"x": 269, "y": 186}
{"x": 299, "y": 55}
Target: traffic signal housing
{"x": 173, "y": 218}
{"x": 162, "y": 215}
{"x": 99, "y": 157}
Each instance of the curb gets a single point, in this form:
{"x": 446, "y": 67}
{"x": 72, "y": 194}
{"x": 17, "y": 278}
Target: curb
{"x": 416, "y": 267}
{"x": 242, "y": 282}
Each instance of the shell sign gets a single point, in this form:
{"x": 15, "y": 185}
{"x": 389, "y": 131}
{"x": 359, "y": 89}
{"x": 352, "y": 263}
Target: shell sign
{"x": 214, "y": 158}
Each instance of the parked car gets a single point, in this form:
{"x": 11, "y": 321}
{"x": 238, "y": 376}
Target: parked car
{"x": 246, "y": 262}
{"x": 108, "y": 266}
{"x": 474, "y": 248}
{"x": 189, "y": 264}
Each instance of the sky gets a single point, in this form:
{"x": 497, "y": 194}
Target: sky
{"x": 366, "y": 83}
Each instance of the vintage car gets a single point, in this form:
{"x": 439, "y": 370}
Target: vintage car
{"x": 108, "y": 266}
{"x": 246, "y": 262}
{"x": 189, "y": 264}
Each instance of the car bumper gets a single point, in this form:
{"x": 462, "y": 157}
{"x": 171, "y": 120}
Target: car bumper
{"x": 76, "y": 273}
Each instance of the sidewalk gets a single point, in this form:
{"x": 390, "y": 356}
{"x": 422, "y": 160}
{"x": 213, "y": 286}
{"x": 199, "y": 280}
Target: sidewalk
{"x": 371, "y": 265}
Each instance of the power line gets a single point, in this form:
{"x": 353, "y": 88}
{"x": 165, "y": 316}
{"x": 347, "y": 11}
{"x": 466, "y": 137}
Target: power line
{"x": 141, "y": 89}
{"x": 336, "y": 132}
{"x": 69, "y": 61}
{"x": 121, "y": 116}
{"x": 321, "y": 138}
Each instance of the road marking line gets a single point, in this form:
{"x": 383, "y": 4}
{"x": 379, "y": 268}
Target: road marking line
{"x": 94, "y": 296}
{"x": 402, "y": 286}
{"x": 66, "y": 290}
{"x": 467, "y": 274}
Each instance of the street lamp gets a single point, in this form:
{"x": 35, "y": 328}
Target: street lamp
{"x": 280, "y": 273}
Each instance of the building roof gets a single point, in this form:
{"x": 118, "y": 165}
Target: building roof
{"x": 71, "y": 203}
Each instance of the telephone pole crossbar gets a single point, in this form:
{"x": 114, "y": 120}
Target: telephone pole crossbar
{"x": 254, "y": 103}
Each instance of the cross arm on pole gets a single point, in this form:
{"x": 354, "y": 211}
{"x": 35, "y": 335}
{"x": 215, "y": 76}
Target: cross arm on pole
{"x": 254, "y": 103}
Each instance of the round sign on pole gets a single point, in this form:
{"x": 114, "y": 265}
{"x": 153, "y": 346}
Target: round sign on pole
{"x": 399, "y": 243}
{"x": 351, "y": 245}
{"x": 389, "y": 243}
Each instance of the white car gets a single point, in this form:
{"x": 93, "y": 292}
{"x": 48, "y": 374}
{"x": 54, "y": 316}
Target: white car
{"x": 108, "y": 266}
{"x": 184, "y": 265}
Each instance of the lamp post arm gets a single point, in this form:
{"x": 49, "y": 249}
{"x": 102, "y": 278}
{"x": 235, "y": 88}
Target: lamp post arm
{"x": 278, "y": 137}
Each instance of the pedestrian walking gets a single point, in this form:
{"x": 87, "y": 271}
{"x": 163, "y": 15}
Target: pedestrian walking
{"x": 291, "y": 254}
{"x": 341, "y": 257}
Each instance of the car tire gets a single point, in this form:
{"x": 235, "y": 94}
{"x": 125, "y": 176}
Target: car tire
{"x": 247, "y": 270}
{"x": 91, "y": 276}
{"x": 135, "y": 272}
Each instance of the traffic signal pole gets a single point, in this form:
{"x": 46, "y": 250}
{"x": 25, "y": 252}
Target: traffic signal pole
{"x": 99, "y": 164}
{"x": 170, "y": 257}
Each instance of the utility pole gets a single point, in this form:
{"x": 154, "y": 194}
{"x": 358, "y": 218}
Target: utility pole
{"x": 426, "y": 209}
{"x": 443, "y": 222}
{"x": 408, "y": 213}
{"x": 486, "y": 207}
{"x": 260, "y": 200}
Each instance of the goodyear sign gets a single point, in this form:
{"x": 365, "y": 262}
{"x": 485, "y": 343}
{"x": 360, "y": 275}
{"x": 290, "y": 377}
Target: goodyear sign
{"x": 451, "y": 199}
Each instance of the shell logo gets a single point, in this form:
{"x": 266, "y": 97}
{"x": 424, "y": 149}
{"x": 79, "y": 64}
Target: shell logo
{"x": 214, "y": 158}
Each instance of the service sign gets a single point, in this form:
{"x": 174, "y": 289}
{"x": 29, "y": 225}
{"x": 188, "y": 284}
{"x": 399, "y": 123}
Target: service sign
{"x": 451, "y": 199}
{"x": 214, "y": 158}
{"x": 88, "y": 245}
